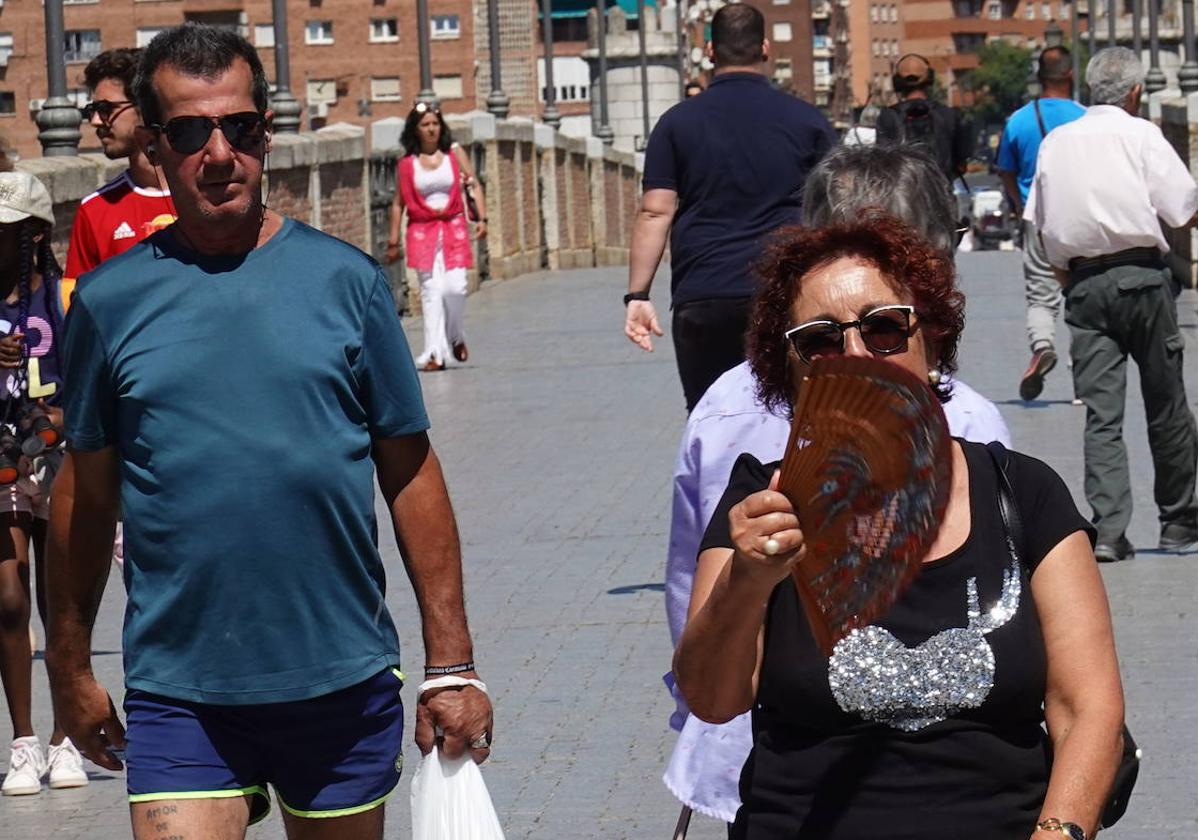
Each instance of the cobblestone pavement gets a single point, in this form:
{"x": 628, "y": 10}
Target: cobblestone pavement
{"x": 558, "y": 441}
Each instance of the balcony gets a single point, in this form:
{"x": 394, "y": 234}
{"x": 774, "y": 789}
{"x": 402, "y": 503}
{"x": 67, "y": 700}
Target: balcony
{"x": 821, "y": 46}
{"x": 821, "y": 10}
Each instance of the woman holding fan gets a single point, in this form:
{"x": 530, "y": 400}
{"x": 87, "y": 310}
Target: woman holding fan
{"x": 927, "y": 722}
{"x": 435, "y": 184}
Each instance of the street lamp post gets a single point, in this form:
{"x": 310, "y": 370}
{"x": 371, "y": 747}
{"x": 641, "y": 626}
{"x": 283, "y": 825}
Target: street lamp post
{"x": 1155, "y": 80}
{"x": 1091, "y": 24}
{"x": 604, "y": 132}
{"x": 680, "y": 23}
{"x": 59, "y": 118}
{"x": 1112, "y": 14}
{"x": 426, "y": 94}
{"x": 282, "y": 102}
{"x": 550, "y": 115}
{"x": 497, "y": 101}
{"x": 641, "y": 36}
{"x": 1187, "y": 76}
{"x": 1137, "y": 41}
{"x": 1075, "y": 52}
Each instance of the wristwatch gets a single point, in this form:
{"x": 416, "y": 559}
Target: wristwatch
{"x": 631, "y": 296}
{"x": 1071, "y": 830}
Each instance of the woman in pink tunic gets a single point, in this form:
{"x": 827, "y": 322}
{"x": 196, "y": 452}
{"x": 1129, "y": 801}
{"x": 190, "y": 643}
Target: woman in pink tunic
{"x": 429, "y": 187}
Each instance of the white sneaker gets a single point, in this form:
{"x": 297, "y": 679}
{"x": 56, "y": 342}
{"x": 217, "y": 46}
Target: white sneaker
{"x": 26, "y": 766}
{"x": 66, "y": 766}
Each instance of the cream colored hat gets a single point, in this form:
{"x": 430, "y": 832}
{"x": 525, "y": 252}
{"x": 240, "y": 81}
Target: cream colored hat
{"x": 22, "y": 196}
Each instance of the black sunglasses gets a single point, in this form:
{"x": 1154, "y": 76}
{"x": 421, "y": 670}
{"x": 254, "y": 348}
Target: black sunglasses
{"x": 105, "y": 109}
{"x": 187, "y": 135}
{"x": 884, "y": 331}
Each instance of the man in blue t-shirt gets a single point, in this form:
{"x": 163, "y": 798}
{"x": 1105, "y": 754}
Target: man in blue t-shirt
{"x": 722, "y": 171}
{"x": 234, "y": 384}
{"x": 1017, "y": 152}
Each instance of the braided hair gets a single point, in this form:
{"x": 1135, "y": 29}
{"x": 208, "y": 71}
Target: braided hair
{"x": 36, "y": 256}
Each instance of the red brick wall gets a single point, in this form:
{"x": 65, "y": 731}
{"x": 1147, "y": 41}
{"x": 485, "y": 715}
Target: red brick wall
{"x": 580, "y": 212}
{"x": 342, "y": 204}
{"x": 531, "y": 205}
{"x": 507, "y": 195}
{"x": 290, "y": 193}
{"x": 611, "y": 202}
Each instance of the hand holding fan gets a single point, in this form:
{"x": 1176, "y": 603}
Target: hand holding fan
{"x": 868, "y": 469}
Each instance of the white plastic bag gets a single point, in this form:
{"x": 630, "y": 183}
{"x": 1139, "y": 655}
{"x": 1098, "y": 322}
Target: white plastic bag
{"x": 450, "y": 801}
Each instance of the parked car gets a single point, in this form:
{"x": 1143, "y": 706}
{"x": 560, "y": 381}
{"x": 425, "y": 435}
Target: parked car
{"x": 990, "y": 219}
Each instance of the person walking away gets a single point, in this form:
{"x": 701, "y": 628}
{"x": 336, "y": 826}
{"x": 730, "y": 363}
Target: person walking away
{"x": 1103, "y": 185}
{"x": 137, "y": 202}
{"x": 257, "y": 646}
{"x": 29, "y": 357}
{"x": 433, "y": 181}
{"x": 722, "y": 171}
{"x": 919, "y": 120}
{"x": 1016, "y": 163}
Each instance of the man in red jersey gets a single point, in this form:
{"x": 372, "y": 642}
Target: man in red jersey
{"x": 136, "y": 203}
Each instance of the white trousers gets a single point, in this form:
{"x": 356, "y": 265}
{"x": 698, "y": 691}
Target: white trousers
{"x": 443, "y": 301}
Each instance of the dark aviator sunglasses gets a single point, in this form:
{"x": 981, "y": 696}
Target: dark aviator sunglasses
{"x": 884, "y": 331}
{"x": 187, "y": 135}
{"x": 105, "y": 109}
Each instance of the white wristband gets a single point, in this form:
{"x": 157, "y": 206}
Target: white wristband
{"x": 449, "y": 682}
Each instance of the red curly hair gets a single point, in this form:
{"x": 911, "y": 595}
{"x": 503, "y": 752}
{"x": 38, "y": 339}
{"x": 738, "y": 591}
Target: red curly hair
{"x": 909, "y": 264}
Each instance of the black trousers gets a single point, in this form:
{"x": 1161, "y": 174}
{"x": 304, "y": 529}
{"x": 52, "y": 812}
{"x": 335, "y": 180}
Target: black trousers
{"x": 709, "y": 338}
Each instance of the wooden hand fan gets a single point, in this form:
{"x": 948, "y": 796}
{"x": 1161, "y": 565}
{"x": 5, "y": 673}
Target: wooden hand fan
{"x": 868, "y": 469}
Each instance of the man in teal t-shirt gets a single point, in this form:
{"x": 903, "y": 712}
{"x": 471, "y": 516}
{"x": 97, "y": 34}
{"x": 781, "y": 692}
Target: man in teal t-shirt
{"x": 234, "y": 384}
{"x": 1017, "y": 166}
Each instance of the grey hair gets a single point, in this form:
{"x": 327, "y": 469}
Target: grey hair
{"x": 901, "y": 181}
{"x": 1111, "y": 75}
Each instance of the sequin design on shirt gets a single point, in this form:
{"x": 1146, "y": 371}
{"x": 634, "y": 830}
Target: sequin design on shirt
{"x": 873, "y": 674}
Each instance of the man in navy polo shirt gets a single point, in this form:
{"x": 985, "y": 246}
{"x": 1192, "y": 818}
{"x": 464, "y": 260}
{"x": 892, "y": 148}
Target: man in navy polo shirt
{"x": 722, "y": 171}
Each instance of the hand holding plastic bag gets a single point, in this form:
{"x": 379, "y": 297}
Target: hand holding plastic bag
{"x": 450, "y": 801}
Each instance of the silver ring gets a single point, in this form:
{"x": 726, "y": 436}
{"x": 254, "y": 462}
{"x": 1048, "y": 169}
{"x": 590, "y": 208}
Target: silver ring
{"x": 772, "y": 546}
{"x": 482, "y": 742}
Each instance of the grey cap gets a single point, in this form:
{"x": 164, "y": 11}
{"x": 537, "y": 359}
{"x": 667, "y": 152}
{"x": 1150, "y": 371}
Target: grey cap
{"x": 22, "y": 196}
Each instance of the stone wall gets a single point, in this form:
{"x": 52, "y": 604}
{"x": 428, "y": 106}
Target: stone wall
{"x": 552, "y": 201}
{"x": 1177, "y": 116}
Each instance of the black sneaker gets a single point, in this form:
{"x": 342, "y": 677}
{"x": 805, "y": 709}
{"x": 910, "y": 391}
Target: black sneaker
{"x": 1043, "y": 360}
{"x": 1112, "y": 551}
{"x": 1179, "y": 536}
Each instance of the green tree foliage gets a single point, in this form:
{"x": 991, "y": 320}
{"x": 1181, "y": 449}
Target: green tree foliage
{"x": 999, "y": 82}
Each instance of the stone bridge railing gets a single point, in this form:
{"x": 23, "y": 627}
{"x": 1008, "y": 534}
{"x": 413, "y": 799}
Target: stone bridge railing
{"x": 552, "y": 201}
{"x": 1177, "y": 115}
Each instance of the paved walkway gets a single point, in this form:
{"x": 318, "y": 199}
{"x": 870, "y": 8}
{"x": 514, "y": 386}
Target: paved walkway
{"x": 558, "y": 440}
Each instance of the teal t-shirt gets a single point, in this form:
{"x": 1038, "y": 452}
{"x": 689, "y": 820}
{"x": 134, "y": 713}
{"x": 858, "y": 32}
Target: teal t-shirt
{"x": 1021, "y": 138}
{"x": 242, "y": 394}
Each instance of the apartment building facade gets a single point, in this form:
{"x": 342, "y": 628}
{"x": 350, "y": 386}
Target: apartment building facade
{"x": 351, "y": 60}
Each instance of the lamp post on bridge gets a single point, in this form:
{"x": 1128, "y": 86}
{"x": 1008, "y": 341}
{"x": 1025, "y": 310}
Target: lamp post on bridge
{"x": 58, "y": 119}
{"x": 550, "y": 115}
{"x": 282, "y": 101}
{"x": 1137, "y": 42}
{"x": 1187, "y": 76}
{"x": 498, "y": 103}
{"x": 641, "y": 35}
{"x": 1112, "y": 14}
{"x": 426, "y": 95}
{"x": 1155, "y": 80}
{"x": 604, "y": 131}
{"x": 1091, "y": 22}
{"x": 1075, "y": 52}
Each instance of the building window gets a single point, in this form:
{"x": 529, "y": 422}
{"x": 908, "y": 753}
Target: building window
{"x": 994, "y": 10}
{"x": 877, "y": 48}
{"x": 264, "y": 35}
{"x": 873, "y": 14}
{"x": 781, "y": 2}
{"x": 146, "y": 34}
{"x": 5, "y": 48}
{"x": 318, "y": 32}
{"x": 1046, "y": 11}
{"x": 8, "y": 103}
{"x": 783, "y": 70}
{"x": 384, "y": 31}
{"x": 81, "y": 44}
{"x": 385, "y": 89}
{"x": 446, "y": 26}
{"x": 893, "y": 13}
{"x": 321, "y": 90}
{"x": 782, "y": 33}
{"x": 73, "y": 2}
{"x": 1029, "y": 11}
{"x": 447, "y": 87}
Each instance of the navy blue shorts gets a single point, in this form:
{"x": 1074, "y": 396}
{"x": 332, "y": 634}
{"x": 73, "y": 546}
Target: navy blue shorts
{"x": 329, "y": 756}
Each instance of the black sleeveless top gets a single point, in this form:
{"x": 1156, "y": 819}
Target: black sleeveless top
{"x": 926, "y": 724}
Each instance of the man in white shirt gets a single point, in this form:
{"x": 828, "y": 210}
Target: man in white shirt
{"x": 1103, "y": 184}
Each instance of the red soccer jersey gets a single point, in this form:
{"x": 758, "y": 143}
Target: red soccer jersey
{"x": 110, "y": 221}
